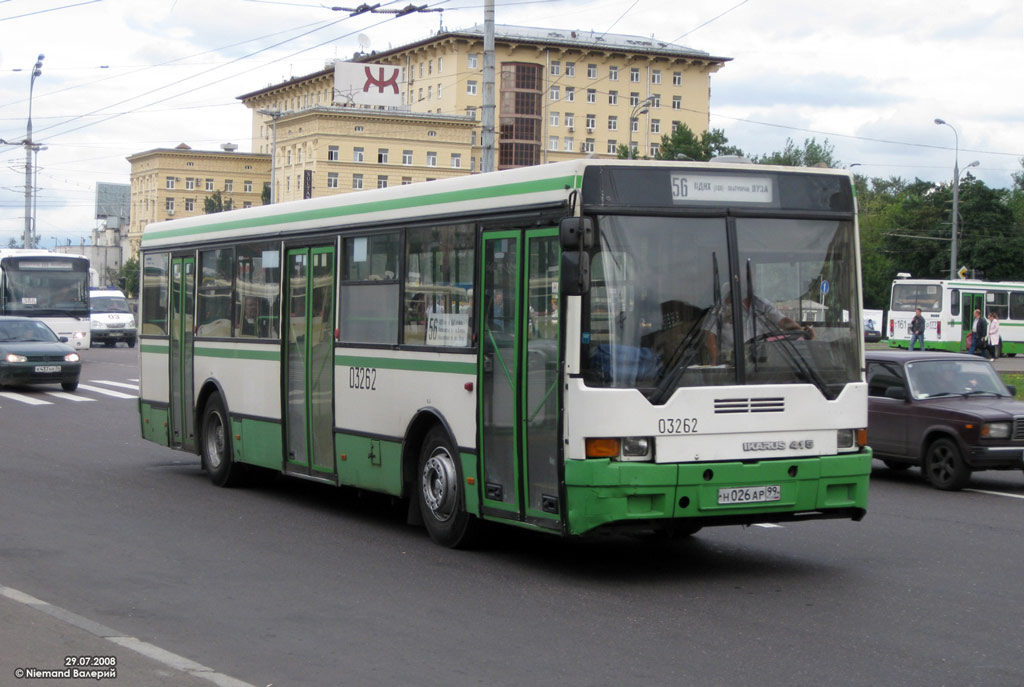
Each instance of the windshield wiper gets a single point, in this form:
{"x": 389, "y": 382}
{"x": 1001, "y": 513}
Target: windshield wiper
{"x": 796, "y": 359}
{"x": 974, "y": 392}
{"x": 681, "y": 357}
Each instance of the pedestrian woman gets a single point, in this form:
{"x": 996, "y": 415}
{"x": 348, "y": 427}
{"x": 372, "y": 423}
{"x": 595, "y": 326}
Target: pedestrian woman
{"x": 993, "y": 335}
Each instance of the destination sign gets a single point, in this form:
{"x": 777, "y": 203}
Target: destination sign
{"x": 717, "y": 188}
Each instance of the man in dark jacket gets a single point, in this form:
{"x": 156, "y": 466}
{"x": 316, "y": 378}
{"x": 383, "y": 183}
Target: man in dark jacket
{"x": 978, "y": 331}
{"x": 917, "y": 329}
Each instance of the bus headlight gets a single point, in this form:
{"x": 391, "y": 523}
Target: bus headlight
{"x": 15, "y": 358}
{"x": 636, "y": 447}
{"x": 847, "y": 439}
{"x": 626, "y": 449}
{"x": 72, "y": 358}
{"x": 995, "y": 430}
{"x": 844, "y": 438}
{"x": 79, "y": 335}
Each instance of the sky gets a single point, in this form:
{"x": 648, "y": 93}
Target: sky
{"x": 124, "y": 76}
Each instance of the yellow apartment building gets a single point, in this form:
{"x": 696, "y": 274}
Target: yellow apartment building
{"x": 175, "y": 182}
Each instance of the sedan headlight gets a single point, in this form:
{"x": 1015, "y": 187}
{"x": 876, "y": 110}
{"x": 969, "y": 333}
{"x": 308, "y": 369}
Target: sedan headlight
{"x": 72, "y": 358}
{"x": 15, "y": 358}
{"x": 996, "y": 430}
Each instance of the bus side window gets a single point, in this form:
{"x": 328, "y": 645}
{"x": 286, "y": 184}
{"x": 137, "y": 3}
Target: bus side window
{"x": 954, "y": 302}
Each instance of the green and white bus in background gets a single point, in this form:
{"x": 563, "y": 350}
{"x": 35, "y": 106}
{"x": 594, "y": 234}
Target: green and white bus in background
{"x": 550, "y": 347}
{"x": 948, "y": 306}
{"x": 53, "y": 287}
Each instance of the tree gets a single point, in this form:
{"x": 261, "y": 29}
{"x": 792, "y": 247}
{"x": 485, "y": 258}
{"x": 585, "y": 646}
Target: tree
{"x": 813, "y": 154}
{"x": 12, "y": 243}
{"x": 683, "y": 141}
{"x": 216, "y": 203}
{"x": 130, "y": 274}
{"x": 265, "y": 194}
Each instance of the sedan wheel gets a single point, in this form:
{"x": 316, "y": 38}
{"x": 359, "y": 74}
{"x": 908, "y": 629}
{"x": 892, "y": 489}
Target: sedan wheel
{"x": 943, "y": 467}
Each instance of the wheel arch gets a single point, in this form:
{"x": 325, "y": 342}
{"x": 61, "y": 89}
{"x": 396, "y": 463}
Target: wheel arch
{"x": 207, "y": 389}
{"x": 933, "y": 434}
{"x": 419, "y": 426}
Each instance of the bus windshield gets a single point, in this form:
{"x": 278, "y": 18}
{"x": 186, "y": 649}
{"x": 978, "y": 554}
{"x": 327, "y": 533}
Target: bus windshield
{"x": 909, "y": 297}
{"x": 44, "y": 292}
{"x": 659, "y": 313}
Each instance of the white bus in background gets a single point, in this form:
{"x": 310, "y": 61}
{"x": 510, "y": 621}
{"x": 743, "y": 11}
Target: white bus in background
{"x": 53, "y": 287}
{"x": 948, "y": 306}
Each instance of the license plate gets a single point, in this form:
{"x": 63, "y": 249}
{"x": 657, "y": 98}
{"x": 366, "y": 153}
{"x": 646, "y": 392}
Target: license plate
{"x": 762, "y": 494}
{"x": 47, "y": 368}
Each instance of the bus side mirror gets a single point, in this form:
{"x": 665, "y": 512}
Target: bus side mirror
{"x": 575, "y": 272}
{"x": 576, "y": 233}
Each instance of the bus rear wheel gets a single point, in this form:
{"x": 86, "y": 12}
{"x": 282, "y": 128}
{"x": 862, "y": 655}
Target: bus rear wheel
{"x": 215, "y": 445}
{"x": 441, "y": 494}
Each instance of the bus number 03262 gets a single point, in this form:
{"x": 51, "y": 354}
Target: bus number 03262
{"x": 362, "y": 378}
{"x": 677, "y": 425}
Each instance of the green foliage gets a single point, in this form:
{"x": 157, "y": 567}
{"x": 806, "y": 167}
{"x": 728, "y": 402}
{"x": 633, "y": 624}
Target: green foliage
{"x": 265, "y": 194}
{"x": 216, "y": 203}
{"x": 813, "y": 154}
{"x": 130, "y": 274}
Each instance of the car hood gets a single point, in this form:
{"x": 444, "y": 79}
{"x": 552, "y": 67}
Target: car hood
{"x": 977, "y": 406}
{"x": 35, "y": 348}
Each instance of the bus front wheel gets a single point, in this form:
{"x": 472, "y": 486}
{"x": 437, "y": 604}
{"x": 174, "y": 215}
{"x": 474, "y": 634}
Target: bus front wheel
{"x": 441, "y": 493}
{"x": 215, "y": 445}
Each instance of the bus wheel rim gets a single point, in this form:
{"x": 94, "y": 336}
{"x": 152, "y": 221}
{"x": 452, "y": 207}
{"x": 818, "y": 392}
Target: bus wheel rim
{"x": 215, "y": 441}
{"x": 440, "y": 484}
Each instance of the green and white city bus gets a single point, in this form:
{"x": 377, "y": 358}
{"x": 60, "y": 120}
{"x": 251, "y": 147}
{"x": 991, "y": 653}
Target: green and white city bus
{"x": 551, "y": 347}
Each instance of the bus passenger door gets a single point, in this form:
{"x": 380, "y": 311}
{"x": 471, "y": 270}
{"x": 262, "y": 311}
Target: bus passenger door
{"x": 519, "y": 373}
{"x": 309, "y": 368}
{"x": 969, "y": 302}
{"x": 182, "y": 396}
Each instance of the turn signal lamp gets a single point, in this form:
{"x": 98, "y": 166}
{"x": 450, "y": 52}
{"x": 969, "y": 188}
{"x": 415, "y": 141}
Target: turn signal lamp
{"x": 602, "y": 448}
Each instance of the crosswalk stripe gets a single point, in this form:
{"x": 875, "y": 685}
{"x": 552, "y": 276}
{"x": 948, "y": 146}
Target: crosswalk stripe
{"x": 25, "y": 399}
{"x": 121, "y": 384}
{"x": 69, "y": 397}
{"x": 996, "y": 493}
{"x": 106, "y": 392}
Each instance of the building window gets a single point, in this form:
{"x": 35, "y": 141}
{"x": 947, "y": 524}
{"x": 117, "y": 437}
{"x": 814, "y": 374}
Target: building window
{"x": 555, "y": 93}
{"x": 613, "y": 123}
{"x": 170, "y": 182}
{"x": 635, "y": 125}
{"x": 613, "y": 73}
{"x": 332, "y": 180}
{"x": 169, "y": 205}
{"x": 655, "y": 149}
{"x": 190, "y": 184}
{"x": 634, "y": 99}
{"x": 613, "y": 97}
{"x": 655, "y": 76}
{"x": 382, "y": 181}
{"x": 677, "y": 78}
{"x": 613, "y": 147}
{"x": 472, "y": 60}
{"x": 406, "y": 157}
{"x": 357, "y": 182}
{"x": 553, "y": 118}
{"x": 209, "y": 185}
{"x": 246, "y": 203}
{"x": 247, "y": 186}
{"x": 677, "y": 102}
{"x": 655, "y": 100}
{"x": 471, "y": 88}
{"x": 471, "y": 112}
{"x": 570, "y": 69}
{"x": 553, "y": 143}
{"x": 591, "y": 71}
{"x": 406, "y": 181}
{"x": 591, "y": 95}
{"x": 655, "y": 126}
{"x": 190, "y": 205}
{"x": 431, "y": 159}
{"x": 439, "y": 91}
{"x": 570, "y": 93}
{"x": 556, "y": 68}
{"x": 229, "y": 186}
{"x": 570, "y": 119}
{"x": 289, "y": 156}
{"x": 634, "y": 75}
{"x": 382, "y": 156}
{"x": 591, "y": 122}
{"x": 456, "y": 160}
{"x": 440, "y": 66}
{"x": 567, "y": 144}
{"x": 430, "y": 92}
{"x": 333, "y": 154}
{"x": 357, "y": 155}
{"x": 588, "y": 145}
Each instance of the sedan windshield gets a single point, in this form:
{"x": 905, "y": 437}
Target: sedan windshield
{"x": 934, "y": 378}
{"x": 664, "y": 290}
{"x": 23, "y": 330}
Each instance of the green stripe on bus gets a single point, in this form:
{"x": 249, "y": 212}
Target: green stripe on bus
{"x": 406, "y": 364}
{"x": 375, "y": 206}
{"x": 154, "y": 348}
{"x": 239, "y": 353}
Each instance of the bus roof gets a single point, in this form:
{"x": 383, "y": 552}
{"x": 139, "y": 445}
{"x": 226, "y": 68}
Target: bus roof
{"x": 35, "y": 253}
{"x": 474, "y": 195}
{"x": 962, "y": 283}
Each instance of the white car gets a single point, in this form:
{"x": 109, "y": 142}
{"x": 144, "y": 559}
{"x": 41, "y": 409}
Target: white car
{"x": 111, "y": 318}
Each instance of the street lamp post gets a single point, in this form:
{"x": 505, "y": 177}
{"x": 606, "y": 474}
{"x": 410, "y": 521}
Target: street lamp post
{"x": 37, "y": 70}
{"x": 956, "y": 195}
{"x": 274, "y": 115}
{"x": 640, "y": 109}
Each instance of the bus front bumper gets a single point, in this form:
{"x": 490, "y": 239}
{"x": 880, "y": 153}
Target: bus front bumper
{"x": 606, "y": 494}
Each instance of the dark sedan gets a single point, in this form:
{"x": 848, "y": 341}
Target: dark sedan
{"x": 948, "y": 413}
{"x": 30, "y": 353}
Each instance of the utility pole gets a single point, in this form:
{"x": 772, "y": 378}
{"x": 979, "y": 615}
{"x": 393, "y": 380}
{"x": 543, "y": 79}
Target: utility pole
{"x": 37, "y": 70}
{"x": 487, "y": 117}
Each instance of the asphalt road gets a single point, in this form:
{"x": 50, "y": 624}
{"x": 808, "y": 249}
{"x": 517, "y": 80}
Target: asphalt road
{"x": 290, "y": 583}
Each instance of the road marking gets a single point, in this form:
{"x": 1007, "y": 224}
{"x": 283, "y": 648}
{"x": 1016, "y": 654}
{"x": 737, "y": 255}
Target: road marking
{"x": 767, "y": 525}
{"x": 107, "y": 392}
{"x": 25, "y": 399}
{"x": 121, "y": 384}
{"x": 996, "y": 493}
{"x": 150, "y": 651}
{"x": 69, "y": 397}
